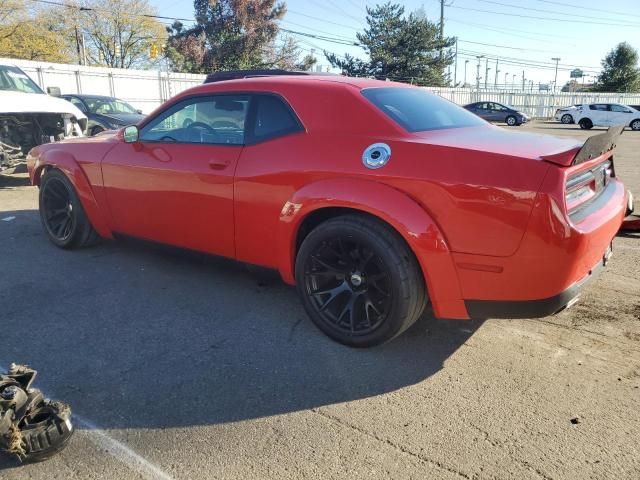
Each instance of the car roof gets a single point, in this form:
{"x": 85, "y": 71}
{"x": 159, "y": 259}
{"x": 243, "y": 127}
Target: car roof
{"x": 86, "y": 95}
{"x": 325, "y": 81}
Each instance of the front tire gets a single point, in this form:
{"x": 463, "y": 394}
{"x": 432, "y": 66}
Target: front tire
{"x": 566, "y": 119}
{"x": 511, "y": 121}
{"x": 61, "y": 213}
{"x": 635, "y": 125}
{"x": 586, "y": 124}
{"x": 359, "y": 281}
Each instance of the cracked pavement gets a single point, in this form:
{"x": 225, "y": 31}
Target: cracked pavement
{"x": 183, "y": 366}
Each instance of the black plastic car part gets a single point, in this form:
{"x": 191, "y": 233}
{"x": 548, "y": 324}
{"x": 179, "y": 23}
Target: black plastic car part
{"x": 32, "y": 427}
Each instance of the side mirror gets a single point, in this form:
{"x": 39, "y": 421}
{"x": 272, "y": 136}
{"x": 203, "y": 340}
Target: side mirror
{"x": 54, "y": 91}
{"x": 131, "y": 134}
{"x": 139, "y": 111}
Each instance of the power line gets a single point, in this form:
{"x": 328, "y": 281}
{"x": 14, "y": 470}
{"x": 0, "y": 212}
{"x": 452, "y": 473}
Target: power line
{"x": 564, "y": 20}
{"x": 519, "y": 7}
{"x": 582, "y": 7}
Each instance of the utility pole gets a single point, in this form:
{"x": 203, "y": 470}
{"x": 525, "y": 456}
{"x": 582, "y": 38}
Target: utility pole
{"x": 495, "y": 82}
{"x": 441, "y": 26}
{"x": 523, "y": 80}
{"x": 465, "y": 73}
{"x": 505, "y": 79}
{"x": 455, "y": 66}
{"x": 486, "y": 73}
{"x": 555, "y": 82}
{"x": 479, "y": 57}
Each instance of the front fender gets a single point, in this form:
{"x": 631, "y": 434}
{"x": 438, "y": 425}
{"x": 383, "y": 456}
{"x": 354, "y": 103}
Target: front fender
{"x": 77, "y": 173}
{"x": 395, "y": 208}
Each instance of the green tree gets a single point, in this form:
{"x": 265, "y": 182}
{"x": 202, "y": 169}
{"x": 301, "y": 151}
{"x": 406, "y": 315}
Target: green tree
{"x": 399, "y": 47}
{"x": 620, "y": 72}
{"x": 231, "y": 34}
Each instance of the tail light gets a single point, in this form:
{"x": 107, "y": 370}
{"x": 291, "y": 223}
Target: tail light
{"x": 585, "y": 186}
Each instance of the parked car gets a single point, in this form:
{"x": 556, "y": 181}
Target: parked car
{"x": 375, "y": 202}
{"x": 607, "y": 115}
{"x": 497, "y": 112}
{"x": 567, "y": 115}
{"x": 105, "y": 113}
{"x": 29, "y": 117}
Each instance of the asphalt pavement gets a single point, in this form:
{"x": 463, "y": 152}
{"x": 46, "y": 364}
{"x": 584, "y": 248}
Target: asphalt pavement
{"x": 178, "y": 365}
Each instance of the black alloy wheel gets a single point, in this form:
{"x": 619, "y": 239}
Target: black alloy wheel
{"x": 511, "y": 121}
{"x": 358, "y": 281}
{"x": 348, "y": 285}
{"x": 61, "y": 213}
{"x": 57, "y": 210}
{"x": 635, "y": 125}
{"x": 566, "y": 119}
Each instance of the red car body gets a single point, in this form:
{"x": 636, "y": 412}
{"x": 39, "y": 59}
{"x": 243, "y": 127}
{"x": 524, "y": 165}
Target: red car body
{"x": 484, "y": 210}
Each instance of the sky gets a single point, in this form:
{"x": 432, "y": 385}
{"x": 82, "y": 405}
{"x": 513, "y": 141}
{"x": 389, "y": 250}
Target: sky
{"x": 522, "y": 35}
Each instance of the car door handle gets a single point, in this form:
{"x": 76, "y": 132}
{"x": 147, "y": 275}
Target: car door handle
{"x": 218, "y": 164}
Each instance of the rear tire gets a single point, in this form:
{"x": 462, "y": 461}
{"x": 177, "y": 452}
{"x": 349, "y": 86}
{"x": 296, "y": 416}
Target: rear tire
{"x": 586, "y": 124}
{"x": 566, "y": 119}
{"x": 61, "y": 213}
{"x": 359, "y": 281}
{"x": 635, "y": 124}
{"x": 511, "y": 121}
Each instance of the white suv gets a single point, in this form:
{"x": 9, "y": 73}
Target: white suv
{"x": 607, "y": 115}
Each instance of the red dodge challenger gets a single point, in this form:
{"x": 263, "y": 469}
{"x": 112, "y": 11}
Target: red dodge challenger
{"x": 374, "y": 198}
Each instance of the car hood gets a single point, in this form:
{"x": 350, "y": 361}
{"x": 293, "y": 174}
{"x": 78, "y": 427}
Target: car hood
{"x": 17, "y": 102}
{"x": 121, "y": 118}
{"x": 488, "y": 138}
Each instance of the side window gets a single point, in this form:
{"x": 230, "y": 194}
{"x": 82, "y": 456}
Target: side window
{"x": 619, "y": 108}
{"x": 216, "y": 120}
{"x": 273, "y": 118}
{"x": 78, "y": 103}
{"x": 599, "y": 106}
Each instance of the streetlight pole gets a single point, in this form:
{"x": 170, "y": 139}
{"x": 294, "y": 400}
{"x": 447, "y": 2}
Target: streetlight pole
{"x": 495, "y": 82}
{"x": 513, "y": 81}
{"x": 555, "y": 81}
{"x": 505, "y": 79}
{"x": 465, "y": 72}
{"x": 479, "y": 57}
{"x": 486, "y": 73}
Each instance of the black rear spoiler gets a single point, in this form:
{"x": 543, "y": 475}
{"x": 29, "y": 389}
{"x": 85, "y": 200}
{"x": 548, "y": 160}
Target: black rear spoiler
{"x": 598, "y": 145}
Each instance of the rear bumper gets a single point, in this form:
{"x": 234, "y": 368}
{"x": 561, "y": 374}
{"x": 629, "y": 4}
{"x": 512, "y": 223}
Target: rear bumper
{"x": 557, "y": 256}
{"x": 532, "y": 308}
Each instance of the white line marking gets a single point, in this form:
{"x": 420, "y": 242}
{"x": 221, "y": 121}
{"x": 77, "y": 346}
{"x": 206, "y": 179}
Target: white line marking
{"x": 122, "y": 452}
{"x": 8, "y": 219}
{"x": 119, "y": 450}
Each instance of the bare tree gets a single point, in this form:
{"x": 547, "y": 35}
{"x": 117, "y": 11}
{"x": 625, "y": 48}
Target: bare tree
{"x": 120, "y": 33}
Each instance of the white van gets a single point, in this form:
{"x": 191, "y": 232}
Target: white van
{"x": 30, "y": 117}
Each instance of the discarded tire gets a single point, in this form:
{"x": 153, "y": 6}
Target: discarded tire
{"x": 32, "y": 428}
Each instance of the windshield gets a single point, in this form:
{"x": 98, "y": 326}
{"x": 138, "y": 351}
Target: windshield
{"x": 416, "y": 110}
{"x": 14, "y": 79}
{"x": 106, "y": 105}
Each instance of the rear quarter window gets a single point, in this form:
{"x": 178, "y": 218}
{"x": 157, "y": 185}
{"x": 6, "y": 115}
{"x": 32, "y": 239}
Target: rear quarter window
{"x": 417, "y": 110}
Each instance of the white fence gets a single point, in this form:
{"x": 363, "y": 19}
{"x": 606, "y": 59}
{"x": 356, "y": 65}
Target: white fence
{"x": 146, "y": 89}
{"x": 534, "y": 104}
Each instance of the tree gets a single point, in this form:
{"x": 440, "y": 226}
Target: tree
{"x": 229, "y": 34}
{"x": 120, "y": 33}
{"x": 620, "y": 72}
{"x": 31, "y": 33}
{"x": 404, "y": 48}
